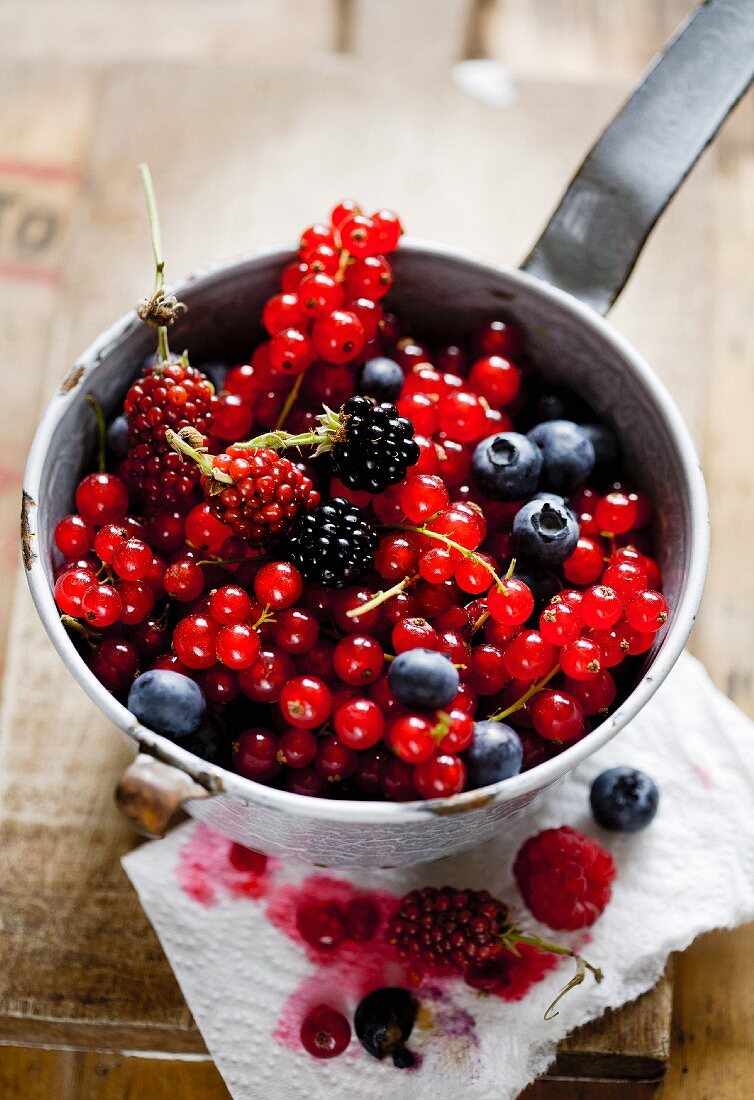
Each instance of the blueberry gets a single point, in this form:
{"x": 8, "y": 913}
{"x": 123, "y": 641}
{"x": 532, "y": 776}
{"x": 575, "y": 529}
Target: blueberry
{"x": 507, "y": 466}
{"x": 495, "y": 753}
{"x": 604, "y": 442}
{"x": 167, "y": 702}
{"x": 381, "y": 379}
{"x": 545, "y": 531}
{"x": 383, "y": 1022}
{"x": 423, "y": 678}
{"x": 624, "y": 799}
{"x": 117, "y": 437}
{"x": 216, "y": 372}
{"x": 568, "y": 454}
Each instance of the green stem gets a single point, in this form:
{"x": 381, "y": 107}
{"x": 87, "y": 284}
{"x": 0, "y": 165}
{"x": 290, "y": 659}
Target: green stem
{"x": 290, "y": 401}
{"x": 381, "y": 597}
{"x": 203, "y": 461}
{"x": 73, "y": 624}
{"x": 101, "y": 432}
{"x": 463, "y": 550}
{"x": 524, "y": 699}
{"x": 155, "y": 236}
{"x": 512, "y": 938}
{"x": 323, "y": 437}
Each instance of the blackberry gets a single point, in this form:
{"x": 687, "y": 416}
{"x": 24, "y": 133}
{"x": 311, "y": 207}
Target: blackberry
{"x": 332, "y": 545}
{"x": 375, "y": 447}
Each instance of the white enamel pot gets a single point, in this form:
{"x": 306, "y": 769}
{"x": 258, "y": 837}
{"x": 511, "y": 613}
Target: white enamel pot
{"x": 588, "y": 249}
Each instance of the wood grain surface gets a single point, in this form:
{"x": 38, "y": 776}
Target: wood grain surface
{"x": 254, "y": 120}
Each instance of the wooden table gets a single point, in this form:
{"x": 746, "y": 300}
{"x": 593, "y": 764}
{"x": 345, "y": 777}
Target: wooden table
{"x": 254, "y": 121}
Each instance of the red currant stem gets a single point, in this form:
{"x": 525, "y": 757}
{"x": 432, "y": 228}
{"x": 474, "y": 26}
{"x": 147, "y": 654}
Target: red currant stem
{"x": 290, "y": 401}
{"x": 463, "y": 550}
{"x": 203, "y": 461}
{"x": 155, "y": 236}
{"x": 105, "y": 571}
{"x": 73, "y": 624}
{"x": 324, "y": 437}
{"x": 222, "y": 561}
{"x": 441, "y": 727}
{"x": 344, "y": 261}
{"x": 524, "y": 699}
{"x": 381, "y": 597}
{"x": 101, "y": 431}
{"x": 480, "y": 621}
{"x": 514, "y": 937}
{"x": 265, "y": 617}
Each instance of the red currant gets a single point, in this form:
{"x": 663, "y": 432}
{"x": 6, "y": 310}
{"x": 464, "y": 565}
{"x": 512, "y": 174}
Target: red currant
{"x": 601, "y": 607}
{"x": 359, "y": 723}
{"x": 647, "y": 612}
{"x": 441, "y": 776}
{"x": 496, "y": 379}
{"x": 237, "y": 646}
{"x": 585, "y": 564}
{"x": 529, "y": 656}
{"x": 74, "y": 536}
{"x": 411, "y": 739}
{"x": 102, "y": 498}
{"x": 255, "y": 754}
{"x": 70, "y": 588}
{"x": 556, "y": 716}
{"x": 595, "y": 696}
{"x": 580, "y": 659}
{"x": 305, "y": 702}
{"x": 278, "y": 584}
{"x": 132, "y": 559}
{"x": 358, "y": 659}
{"x": 616, "y": 513}
{"x": 338, "y": 336}
{"x": 101, "y": 605}
{"x": 511, "y": 605}
{"x": 423, "y": 496}
{"x": 334, "y": 760}
{"x": 264, "y": 680}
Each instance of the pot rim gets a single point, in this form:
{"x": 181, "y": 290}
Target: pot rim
{"x": 249, "y": 792}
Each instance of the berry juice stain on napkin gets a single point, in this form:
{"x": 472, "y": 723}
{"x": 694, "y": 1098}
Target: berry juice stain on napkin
{"x": 230, "y": 933}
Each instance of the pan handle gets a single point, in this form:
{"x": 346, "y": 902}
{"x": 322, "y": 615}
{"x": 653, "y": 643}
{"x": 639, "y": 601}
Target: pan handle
{"x": 151, "y": 795}
{"x": 593, "y": 239}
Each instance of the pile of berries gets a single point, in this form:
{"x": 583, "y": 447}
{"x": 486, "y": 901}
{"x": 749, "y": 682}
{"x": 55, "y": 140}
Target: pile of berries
{"x": 565, "y": 879}
{"x": 443, "y": 581}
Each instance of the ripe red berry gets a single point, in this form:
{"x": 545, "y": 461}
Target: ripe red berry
{"x": 560, "y": 623}
{"x": 358, "y": 659}
{"x": 410, "y": 737}
{"x": 255, "y": 754}
{"x": 137, "y": 600}
{"x": 295, "y": 630}
{"x": 339, "y": 336}
{"x": 496, "y": 379}
{"x": 627, "y": 578}
{"x": 557, "y": 716}
{"x": 564, "y": 877}
{"x": 616, "y": 513}
{"x": 529, "y": 656}
{"x": 132, "y": 559}
{"x": 101, "y": 605}
{"x": 325, "y": 1032}
{"x": 601, "y": 607}
{"x": 115, "y": 663}
{"x": 488, "y": 672}
{"x": 74, "y": 536}
{"x": 463, "y": 416}
{"x": 101, "y": 498}
{"x": 580, "y": 659}
{"x": 281, "y": 311}
{"x": 423, "y": 496}
{"x": 647, "y": 611}
{"x": 360, "y": 235}
{"x": 232, "y": 417}
{"x": 511, "y": 605}
{"x": 499, "y": 338}
{"x": 305, "y": 702}
{"x": 334, "y": 760}
{"x": 219, "y": 684}
{"x": 264, "y": 680}
{"x": 291, "y": 351}
{"x": 359, "y": 723}
{"x": 441, "y": 776}
{"x": 396, "y": 555}
{"x": 595, "y": 696}
{"x": 389, "y": 229}
{"x": 586, "y": 563}
{"x": 297, "y": 748}
{"x": 204, "y": 530}
{"x": 70, "y": 588}
{"x": 278, "y": 584}
{"x": 237, "y": 645}
{"x": 194, "y": 641}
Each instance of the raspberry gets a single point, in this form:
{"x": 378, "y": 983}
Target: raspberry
{"x": 465, "y": 932}
{"x": 166, "y": 396}
{"x": 257, "y": 493}
{"x": 564, "y": 877}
